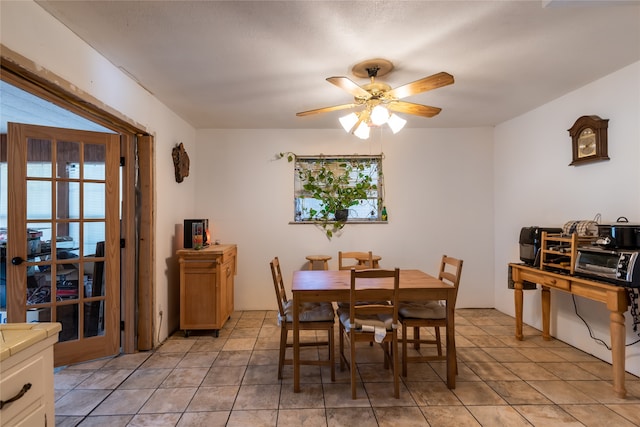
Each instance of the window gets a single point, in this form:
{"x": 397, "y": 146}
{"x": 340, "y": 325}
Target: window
{"x": 40, "y": 202}
{"x": 326, "y": 184}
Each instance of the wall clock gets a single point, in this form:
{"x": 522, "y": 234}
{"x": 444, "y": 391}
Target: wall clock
{"x": 589, "y": 140}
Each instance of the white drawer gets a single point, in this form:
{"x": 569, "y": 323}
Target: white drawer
{"x": 13, "y": 380}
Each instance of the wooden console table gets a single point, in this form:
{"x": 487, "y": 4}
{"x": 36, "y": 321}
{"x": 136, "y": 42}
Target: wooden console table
{"x": 615, "y": 297}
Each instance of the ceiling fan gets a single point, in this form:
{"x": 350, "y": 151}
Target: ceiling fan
{"x": 377, "y": 93}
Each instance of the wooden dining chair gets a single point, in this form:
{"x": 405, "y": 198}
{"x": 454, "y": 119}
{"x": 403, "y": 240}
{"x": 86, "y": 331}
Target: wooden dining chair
{"x": 355, "y": 263}
{"x": 371, "y": 322}
{"x": 349, "y": 260}
{"x": 428, "y": 314}
{"x": 313, "y": 317}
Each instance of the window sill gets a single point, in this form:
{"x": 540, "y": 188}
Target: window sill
{"x": 349, "y": 221}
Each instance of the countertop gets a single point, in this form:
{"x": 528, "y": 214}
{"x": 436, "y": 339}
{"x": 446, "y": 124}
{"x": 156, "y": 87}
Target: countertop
{"x": 15, "y": 337}
{"x": 216, "y": 249}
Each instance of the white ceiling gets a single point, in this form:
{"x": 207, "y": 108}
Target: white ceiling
{"x": 254, "y": 64}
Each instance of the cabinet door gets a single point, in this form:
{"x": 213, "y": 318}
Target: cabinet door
{"x": 198, "y": 295}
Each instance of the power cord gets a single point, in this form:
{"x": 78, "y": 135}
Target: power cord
{"x": 159, "y": 325}
{"x": 633, "y": 297}
{"x": 598, "y": 340}
{"x": 635, "y": 313}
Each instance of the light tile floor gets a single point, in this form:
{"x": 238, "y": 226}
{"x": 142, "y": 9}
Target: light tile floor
{"x": 232, "y": 381}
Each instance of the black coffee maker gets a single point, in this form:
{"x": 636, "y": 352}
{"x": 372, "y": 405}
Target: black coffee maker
{"x": 530, "y": 241}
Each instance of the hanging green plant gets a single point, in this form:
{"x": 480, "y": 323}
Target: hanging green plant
{"x": 338, "y": 185}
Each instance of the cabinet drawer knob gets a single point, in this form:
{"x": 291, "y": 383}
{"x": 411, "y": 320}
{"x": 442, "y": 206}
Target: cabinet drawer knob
{"x": 22, "y": 392}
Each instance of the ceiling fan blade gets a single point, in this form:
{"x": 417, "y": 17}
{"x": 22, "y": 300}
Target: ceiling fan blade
{"x": 428, "y": 83}
{"x": 411, "y": 108}
{"x": 326, "y": 109}
{"x": 350, "y": 86}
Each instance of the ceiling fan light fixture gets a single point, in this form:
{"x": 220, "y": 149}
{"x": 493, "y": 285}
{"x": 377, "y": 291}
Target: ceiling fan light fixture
{"x": 373, "y": 98}
{"x": 348, "y": 121}
{"x": 362, "y": 131}
{"x": 379, "y": 115}
{"x": 396, "y": 123}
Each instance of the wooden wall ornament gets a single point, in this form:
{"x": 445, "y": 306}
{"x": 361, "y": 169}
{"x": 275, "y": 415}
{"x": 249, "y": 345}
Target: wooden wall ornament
{"x": 589, "y": 140}
{"x": 180, "y": 162}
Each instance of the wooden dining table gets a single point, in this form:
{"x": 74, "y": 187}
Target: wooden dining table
{"x": 334, "y": 285}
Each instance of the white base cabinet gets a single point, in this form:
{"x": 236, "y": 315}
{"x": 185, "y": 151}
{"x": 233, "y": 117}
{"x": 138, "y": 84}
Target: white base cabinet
{"x": 26, "y": 382}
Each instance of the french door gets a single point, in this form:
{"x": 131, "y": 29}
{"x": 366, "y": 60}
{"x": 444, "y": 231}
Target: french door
{"x": 63, "y": 236}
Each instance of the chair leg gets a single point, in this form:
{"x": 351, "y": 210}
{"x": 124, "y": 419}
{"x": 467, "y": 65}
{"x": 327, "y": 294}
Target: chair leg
{"x": 392, "y": 358}
{"x": 438, "y": 341}
{"x": 283, "y": 348}
{"x": 332, "y": 361}
{"x": 341, "y": 348}
{"x": 396, "y": 366}
{"x": 353, "y": 367}
{"x": 404, "y": 350}
{"x": 416, "y": 337}
{"x": 455, "y": 360}
{"x": 386, "y": 350}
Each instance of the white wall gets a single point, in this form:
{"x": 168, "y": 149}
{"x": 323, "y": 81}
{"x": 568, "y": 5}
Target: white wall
{"x": 438, "y": 187}
{"x": 56, "y": 49}
{"x": 535, "y": 186}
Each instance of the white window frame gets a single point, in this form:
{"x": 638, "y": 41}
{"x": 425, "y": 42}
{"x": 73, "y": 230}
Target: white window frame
{"x": 367, "y": 210}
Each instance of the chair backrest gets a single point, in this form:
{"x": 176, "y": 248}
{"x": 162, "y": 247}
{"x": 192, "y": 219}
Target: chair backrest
{"x": 355, "y": 258}
{"x": 281, "y": 294}
{"x": 367, "y": 285}
{"x": 450, "y": 271}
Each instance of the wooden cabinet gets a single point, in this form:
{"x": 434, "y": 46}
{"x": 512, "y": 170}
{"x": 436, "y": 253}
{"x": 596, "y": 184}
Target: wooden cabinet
{"x": 206, "y": 287}
{"x": 26, "y": 379}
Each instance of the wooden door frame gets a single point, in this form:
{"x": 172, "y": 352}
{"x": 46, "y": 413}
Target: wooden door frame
{"x": 137, "y": 277}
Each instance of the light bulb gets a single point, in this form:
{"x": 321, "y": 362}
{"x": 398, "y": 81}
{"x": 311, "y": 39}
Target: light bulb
{"x": 348, "y": 121}
{"x": 396, "y": 123}
{"x": 362, "y": 131}
{"x": 379, "y": 115}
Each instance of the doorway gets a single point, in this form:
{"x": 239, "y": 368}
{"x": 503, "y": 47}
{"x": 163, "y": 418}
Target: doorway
{"x": 134, "y": 323}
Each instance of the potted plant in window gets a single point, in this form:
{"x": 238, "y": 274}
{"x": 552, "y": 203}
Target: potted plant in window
{"x": 338, "y": 185}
